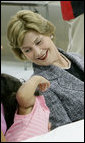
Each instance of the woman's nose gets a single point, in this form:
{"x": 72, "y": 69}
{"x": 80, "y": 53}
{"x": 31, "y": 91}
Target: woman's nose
{"x": 37, "y": 52}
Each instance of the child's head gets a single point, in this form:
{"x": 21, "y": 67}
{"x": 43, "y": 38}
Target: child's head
{"x": 9, "y": 87}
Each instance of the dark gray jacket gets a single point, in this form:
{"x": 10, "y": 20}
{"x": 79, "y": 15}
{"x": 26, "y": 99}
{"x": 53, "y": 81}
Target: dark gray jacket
{"x": 65, "y": 97}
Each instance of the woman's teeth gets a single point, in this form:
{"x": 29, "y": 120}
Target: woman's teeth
{"x": 43, "y": 57}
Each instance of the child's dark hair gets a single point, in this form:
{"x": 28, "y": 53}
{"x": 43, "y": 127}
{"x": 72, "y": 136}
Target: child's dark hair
{"x": 9, "y": 87}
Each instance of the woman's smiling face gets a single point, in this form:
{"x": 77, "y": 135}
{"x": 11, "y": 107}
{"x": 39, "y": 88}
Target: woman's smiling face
{"x": 39, "y": 49}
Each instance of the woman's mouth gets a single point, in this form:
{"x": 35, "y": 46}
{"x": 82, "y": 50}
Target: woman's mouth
{"x": 44, "y": 56}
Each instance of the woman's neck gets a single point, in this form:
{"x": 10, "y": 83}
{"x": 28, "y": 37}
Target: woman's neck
{"x": 63, "y": 62}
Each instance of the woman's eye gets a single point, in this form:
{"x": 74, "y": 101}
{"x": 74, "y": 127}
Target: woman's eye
{"x": 38, "y": 42}
{"x": 28, "y": 50}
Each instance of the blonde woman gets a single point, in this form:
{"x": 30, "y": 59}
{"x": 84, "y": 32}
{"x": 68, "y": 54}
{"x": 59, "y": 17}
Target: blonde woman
{"x": 32, "y": 37}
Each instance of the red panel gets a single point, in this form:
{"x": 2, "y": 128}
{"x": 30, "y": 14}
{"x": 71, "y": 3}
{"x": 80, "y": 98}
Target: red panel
{"x": 67, "y": 11}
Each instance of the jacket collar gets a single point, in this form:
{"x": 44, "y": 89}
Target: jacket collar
{"x": 51, "y": 72}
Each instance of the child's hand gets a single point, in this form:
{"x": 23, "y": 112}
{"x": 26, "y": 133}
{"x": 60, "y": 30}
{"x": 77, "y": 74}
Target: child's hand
{"x": 25, "y": 94}
{"x": 44, "y": 84}
{"x": 40, "y": 82}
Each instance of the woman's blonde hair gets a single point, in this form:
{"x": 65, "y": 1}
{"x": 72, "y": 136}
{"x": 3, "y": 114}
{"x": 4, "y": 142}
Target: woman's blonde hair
{"x": 21, "y": 23}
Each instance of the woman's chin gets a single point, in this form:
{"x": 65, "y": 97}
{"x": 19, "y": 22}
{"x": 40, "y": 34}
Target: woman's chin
{"x": 43, "y": 64}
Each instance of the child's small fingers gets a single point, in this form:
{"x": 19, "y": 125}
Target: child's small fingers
{"x": 48, "y": 84}
{"x": 43, "y": 86}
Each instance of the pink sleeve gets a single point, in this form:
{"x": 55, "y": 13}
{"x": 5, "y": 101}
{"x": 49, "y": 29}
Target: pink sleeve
{"x": 3, "y": 123}
{"x": 43, "y": 103}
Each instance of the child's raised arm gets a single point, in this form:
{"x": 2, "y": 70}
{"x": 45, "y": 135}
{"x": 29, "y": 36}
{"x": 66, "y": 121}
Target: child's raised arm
{"x": 25, "y": 95}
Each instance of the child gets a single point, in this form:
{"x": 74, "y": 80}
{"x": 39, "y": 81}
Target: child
{"x": 30, "y": 113}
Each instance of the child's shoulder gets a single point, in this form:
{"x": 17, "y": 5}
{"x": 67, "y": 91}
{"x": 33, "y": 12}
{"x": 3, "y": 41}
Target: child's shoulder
{"x": 42, "y": 102}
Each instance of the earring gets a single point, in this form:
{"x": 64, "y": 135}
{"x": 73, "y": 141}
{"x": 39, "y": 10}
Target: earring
{"x": 40, "y": 50}
{"x": 51, "y": 36}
